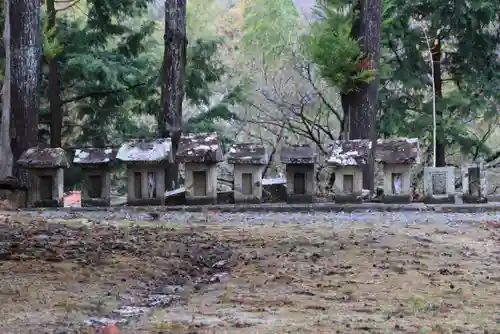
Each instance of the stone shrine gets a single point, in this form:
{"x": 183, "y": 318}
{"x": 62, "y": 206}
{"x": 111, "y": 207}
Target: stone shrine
{"x": 299, "y": 163}
{"x": 347, "y": 158}
{"x": 249, "y": 161}
{"x": 96, "y": 166}
{"x": 200, "y": 154}
{"x": 47, "y": 166}
{"x": 146, "y": 160}
{"x": 396, "y": 158}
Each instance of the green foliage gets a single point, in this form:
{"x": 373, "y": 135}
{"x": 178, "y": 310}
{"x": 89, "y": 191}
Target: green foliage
{"x": 99, "y": 67}
{"x": 470, "y": 66}
{"x": 470, "y": 70}
{"x": 51, "y": 46}
{"x": 330, "y": 46}
{"x": 270, "y": 29}
{"x": 109, "y": 73}
{"x": 203, "y": 71}
{"x": 221, "y": 111}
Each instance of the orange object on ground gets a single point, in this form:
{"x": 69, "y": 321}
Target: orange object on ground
{"x": 72, "y": 198}
{"x": 110, "y": 329}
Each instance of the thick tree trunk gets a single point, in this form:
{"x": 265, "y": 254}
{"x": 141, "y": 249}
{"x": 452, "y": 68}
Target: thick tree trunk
{"x": 362, "y": 104}
{"x": 6, "y": 162}
{"x": 174, "y": 64}
{"x": 438, "y": 86}
{"x": 54, "y": 88}
{"x": 25, "y": 78}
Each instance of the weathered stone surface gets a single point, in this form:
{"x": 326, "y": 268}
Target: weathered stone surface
{"x": 349, "y": 152}
{"x": 298, "y": 154}
{"x": 397, "y": 151}
{"x": 11, "y": 183}
{"x": 13, "y": 194}
{"x": 248, "y": 154}
{"x": 94, "y": 202}
{"x": 379, "y": 176}
{"x": 200, "y": 148}
{"x": 36, "y": 157}
{"x": 439, "y": 185}
{"x": 146, "y": 150}
{"x": 94, "y": 156}
{"x": 274, "y": 190}
{"x": 474, "y": 190}
{"x": 327, "y": 207}
{"x": 348, "y": 198}
{"x": 175, "y": 197}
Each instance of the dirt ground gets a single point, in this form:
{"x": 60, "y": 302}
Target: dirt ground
{"x": 224, "y": 277}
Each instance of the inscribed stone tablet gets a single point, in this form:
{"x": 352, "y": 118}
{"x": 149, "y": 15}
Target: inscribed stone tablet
{"x": 438, "y": 183}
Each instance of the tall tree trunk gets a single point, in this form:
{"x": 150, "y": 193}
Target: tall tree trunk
{"x": 54, "y": 88}
{"x": 174, "y": 65}
{"x": 362, "y": 103}
{"x": 6, "y": 162}
{"x": 25, "y": 78}
{"x": 438, "y": 87}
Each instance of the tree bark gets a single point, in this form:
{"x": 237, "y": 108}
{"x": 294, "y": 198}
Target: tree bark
{"x": 5, "y": 149}
{"x": 54, "y": 88}
{"x": 438, "y": 87}
{"x": 362, "y": 103}
{"x": 174, "y": 64}
{"x": 25, "y": 78}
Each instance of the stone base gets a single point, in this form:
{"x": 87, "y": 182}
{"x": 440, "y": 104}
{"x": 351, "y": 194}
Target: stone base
{"x": 348, "y": 198}
{"x": 53, "y": 203}
{"x": 144, "y": 202}
{"x": 274, "y": 193}
{"x": 225, "y": 197}
{"x": 396, "y": 199}
{"x": 177, "y": 199}
{"x": 294, "y": 199}
{"x": 201, "y": 201}
{"x": 89, "y": 202}
{"x": 443, "y": 199}
{"x": 248, "y": 201}
{"x": 474, "y": 199}
{"x": 16, "y": 198}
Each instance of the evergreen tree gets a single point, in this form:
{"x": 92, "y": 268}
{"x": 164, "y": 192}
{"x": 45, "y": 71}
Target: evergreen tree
{"x": 460, "y": 42}
{"x": 25, "y": 45}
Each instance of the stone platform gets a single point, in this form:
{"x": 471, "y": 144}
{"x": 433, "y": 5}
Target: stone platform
{"x": 284, "y": 207}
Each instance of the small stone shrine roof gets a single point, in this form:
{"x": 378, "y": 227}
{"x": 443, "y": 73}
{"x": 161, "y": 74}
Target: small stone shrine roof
{"x": 37, "y": 157}
{"x": 298, "y": 154}
{"x": 349, "y": 152}
{"x": 146, "y": 150}
{"x": 200, "y": 148}
{"x": 94, "y": 156}
{"x": 397, "y": 151}
{"x": 248, "y": 154}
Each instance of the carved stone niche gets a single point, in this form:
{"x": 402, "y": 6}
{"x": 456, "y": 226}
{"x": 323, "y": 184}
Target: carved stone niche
{"x": 47, "y": 166}
{"x": 439, "y": 185}
{"x": 249, "y": 161}
{"x": 96, "y": 164}
{"x": 146, "y": 160}
{"x": 200, "y": 153}
{"x": 347, "y": 158}
{"x": 396, "y": 157}
{"x": 474, "y": 183}
{"x": 299, "y": 163}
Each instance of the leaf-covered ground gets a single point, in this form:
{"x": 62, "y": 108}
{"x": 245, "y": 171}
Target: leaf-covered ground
{"x": 223, "y": 276}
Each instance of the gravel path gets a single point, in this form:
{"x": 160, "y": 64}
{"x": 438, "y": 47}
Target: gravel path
{"x": 449, "y": 219}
